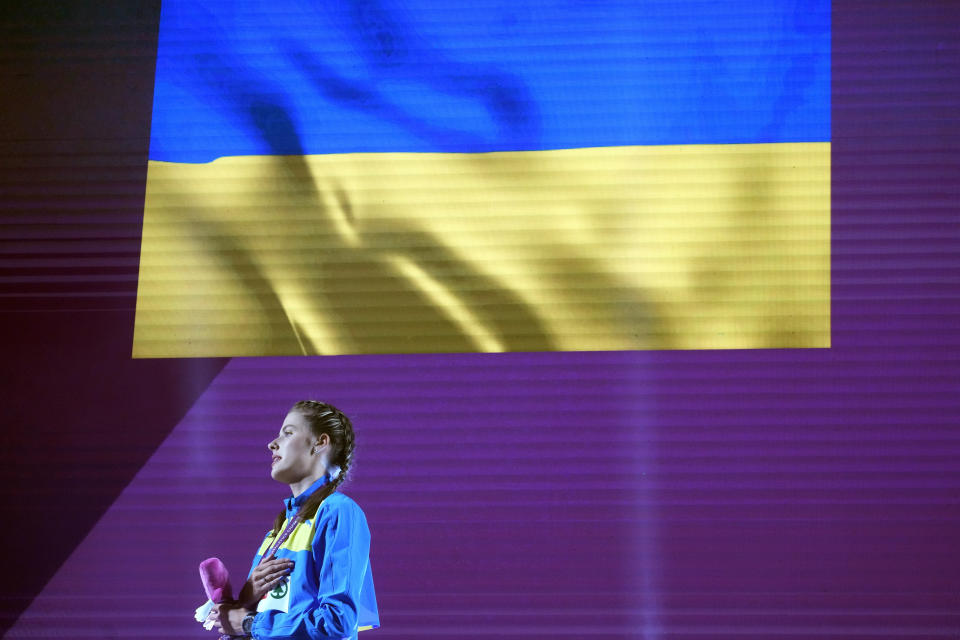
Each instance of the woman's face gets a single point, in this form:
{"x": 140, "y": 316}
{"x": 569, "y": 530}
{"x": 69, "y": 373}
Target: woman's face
{"x": 292, "y": 460}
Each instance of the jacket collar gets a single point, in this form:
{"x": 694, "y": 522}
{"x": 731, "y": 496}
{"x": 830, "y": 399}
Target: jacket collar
{"x": 294, "y": 503}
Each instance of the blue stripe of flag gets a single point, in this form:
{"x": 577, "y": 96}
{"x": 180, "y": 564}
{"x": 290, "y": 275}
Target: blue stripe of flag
{"x": 294, "y": 77}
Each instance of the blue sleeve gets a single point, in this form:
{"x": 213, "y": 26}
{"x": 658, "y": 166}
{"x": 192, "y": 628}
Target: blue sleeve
{"x": 341, "y": 548}
{"x": 256, "y": 559}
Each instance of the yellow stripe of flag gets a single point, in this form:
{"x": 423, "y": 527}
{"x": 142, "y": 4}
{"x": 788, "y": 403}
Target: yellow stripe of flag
{"x": 643, "y": 247}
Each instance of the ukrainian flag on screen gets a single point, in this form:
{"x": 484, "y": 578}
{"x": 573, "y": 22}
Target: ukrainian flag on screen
{"x": 451, "y": 176}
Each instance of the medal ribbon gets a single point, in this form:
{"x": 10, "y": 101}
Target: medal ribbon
{"x": 287, "y": 530}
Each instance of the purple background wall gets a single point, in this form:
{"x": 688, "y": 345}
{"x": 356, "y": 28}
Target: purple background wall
{"x": 660, "y": 495}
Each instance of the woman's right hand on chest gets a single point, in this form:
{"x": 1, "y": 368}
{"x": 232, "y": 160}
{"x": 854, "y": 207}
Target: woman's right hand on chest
{"x": 265, "y": 576}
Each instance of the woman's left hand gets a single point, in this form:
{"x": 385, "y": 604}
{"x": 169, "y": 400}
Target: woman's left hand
{"x": 228, "y": 618}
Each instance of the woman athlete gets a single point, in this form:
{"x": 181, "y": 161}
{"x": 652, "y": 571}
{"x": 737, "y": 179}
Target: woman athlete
{"x": 311, "y": 576}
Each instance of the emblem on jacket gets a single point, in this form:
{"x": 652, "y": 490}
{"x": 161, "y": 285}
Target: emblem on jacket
{"x": 278, "y": 599}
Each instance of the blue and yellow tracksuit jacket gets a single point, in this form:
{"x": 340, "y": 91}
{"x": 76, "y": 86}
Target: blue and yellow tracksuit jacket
{"x": 330, "y": 592}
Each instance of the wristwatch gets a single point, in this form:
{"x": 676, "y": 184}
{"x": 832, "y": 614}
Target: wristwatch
{"x": 247, "y": 625}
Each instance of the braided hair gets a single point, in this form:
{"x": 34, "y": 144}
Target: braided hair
{"x": 324, "y": 418}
